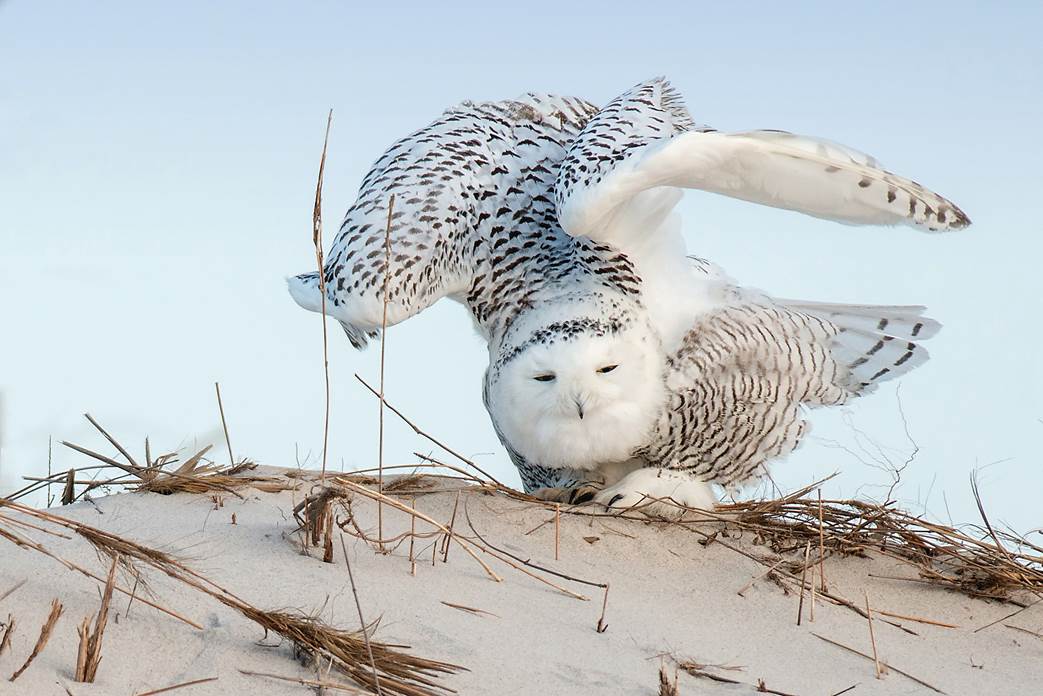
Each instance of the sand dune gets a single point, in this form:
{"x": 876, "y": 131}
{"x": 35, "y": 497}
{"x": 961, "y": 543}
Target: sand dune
{"x": 673, "y": 598}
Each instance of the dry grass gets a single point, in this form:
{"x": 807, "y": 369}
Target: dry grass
{"x": 975, "y": 560}
{"x": 5, "y": 640}
{"x": 348, "y": 651}
{"x": 88, "y": 656}
{"x": 667, "y": 687}
{"x": 41, "y": 642}
{"x": 173, "y": 687}
{"x": 164, "y": 474}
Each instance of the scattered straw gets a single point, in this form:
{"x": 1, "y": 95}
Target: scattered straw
{"x": 449, "y": 535}
{"x": 557, "y": 530}
{"x": 362, "y": 621}
{"x": 602, "y": 626}
{"x": 14, "y": 589}
{"x": 160, "y": 476}
{"x": 872, "y": 634}
{"x": 666, "y": 686}
{"x": 45, "y": 635}
{"x": 400, "y": 672}
{"x": 88, "y": 656}
{"x": 383, "y": 345}
{"x": 1016, "y": 628}
{"x": 469, "y": 610}
{"x": 317, "y": 683}
{"x": 5, "y": 640}
{"x": 978, "y": 561}
{"x": 803, "y": 575}
{"x": 889, "y": 667}
{"x": 224, "y": 424}
{"x": 182, "y": 685}
{"x": 316, "y": 240}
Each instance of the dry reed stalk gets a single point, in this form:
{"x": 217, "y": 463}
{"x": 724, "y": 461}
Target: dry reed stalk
{"x": 787, "y": 577}
{"x": 941, "y": 554}
{"x": 446, "y": 539}
{"x": 803, "y": 575}
{"x": 89, "y": 653}
{"x": 69, "y": 491}
{"x": 50, "y": 455}
{"x": 362, "y": 621}
{"x": 667, "y": 687}
{"x": 134, "y": 590}
{"x": 758, "y": 577}
{"x": 698, "y": 672}
{"x": 400, "y": 672}
{"x": 190, "y": 477}
{"x": 821, "y": 547}
{"x": 5, "y": 640}
{"x": 505, "y": 556}
{"x": 1008, "y": 616}
{"x": 884, "y": 665}
{"x": 557, "y": 530}
{"x": 601, "y": 626}
{"x": 1016, "y": 628}
{"x": 383, "y": 344}
{"x": 872, "y": 634}
{"x": 917, "y": 619}
{"x": 36, "y": 546}
{"x": 811, "y": 587}
{"x": 469, "y": 610}
{"x": 412, "y": 538}
{"x": 418, "y": 431}
{"x": 372, "y": 495}
{"x": 182, "y": 685}
{"x": 316, "y": 240}
{"x": 317, "y": 683}
{"x": 224, "y": 425}
{"x": 41, "y": 642}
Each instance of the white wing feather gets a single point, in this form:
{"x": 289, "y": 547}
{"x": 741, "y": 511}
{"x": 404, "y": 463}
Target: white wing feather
{"x": 782, "y": 170}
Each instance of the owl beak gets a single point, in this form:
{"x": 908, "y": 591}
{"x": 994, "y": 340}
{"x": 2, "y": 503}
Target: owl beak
{"x": 579, "y": 408}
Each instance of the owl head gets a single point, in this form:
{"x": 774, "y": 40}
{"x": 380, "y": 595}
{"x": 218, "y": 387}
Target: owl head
{"x": 577, "y": 384}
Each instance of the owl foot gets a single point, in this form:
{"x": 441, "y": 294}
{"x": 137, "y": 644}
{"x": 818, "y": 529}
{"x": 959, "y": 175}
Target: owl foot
{"x": 657, "y": 493}
{"x": 573, "y": 495}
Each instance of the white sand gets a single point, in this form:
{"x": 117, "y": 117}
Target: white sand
{"x": 669, "y": 594}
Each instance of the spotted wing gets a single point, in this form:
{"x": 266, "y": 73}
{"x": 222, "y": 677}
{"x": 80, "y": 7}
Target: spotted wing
{"x": 621, "y": 176}
{"x": 475, "y": 167}
{"x": 742, "y": 374}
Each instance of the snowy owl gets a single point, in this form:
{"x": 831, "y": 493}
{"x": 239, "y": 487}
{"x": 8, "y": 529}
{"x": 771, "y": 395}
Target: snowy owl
{"x": 621, "y": 368}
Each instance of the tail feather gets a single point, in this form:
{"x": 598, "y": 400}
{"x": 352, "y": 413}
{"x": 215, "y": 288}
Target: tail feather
{"x": 899, "y": 321}
{"x": 304, "y": 289}
{"x": 874, "y": 343}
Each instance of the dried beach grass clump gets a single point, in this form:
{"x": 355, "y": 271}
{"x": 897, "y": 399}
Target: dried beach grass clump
{"x": 88, "y": 656}
{"x": 163, "y": 474}
{"x": 978, "y": 560}
{"x": 348, "y": 651}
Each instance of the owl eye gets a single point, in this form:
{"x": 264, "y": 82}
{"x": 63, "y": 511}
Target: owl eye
{"x": 544, "y": 378}
{"x": 606, "y": 369}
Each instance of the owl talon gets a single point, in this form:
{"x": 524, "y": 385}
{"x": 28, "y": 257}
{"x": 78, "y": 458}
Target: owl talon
{"x": 580, "y": 497}
{"x": 657, "y": 493}
{"x": 573, "y": 495}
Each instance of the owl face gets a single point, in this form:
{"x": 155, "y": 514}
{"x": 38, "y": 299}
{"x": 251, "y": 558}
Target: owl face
{"x": 580, "y": 400}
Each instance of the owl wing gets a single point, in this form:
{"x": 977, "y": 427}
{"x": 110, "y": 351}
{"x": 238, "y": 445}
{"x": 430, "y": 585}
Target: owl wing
{"x": 622, "y": 176}
{"x": 744, "y": 371}
{"x": 451, "y": 182}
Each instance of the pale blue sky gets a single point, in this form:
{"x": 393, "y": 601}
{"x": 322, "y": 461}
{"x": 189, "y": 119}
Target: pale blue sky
{"x": 157, "y": 166}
